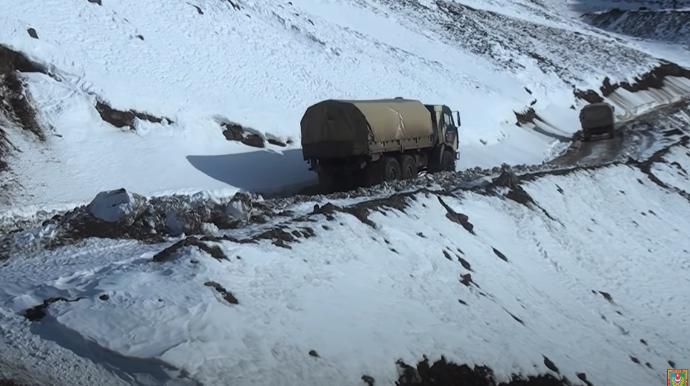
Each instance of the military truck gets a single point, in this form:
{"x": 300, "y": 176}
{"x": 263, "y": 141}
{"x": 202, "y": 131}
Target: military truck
{"x": 353, "y": 143}
{"x": 597, "y": 118}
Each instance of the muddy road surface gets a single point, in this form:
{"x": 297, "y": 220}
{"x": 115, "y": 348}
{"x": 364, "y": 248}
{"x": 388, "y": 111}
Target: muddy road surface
{"x": 633, "y": 138}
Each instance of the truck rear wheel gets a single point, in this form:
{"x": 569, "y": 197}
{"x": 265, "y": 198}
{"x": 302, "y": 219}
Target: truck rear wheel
{"x": 330, "y": 182}
{"x": 391, "y": 169}
{"x": 408, "y": 165}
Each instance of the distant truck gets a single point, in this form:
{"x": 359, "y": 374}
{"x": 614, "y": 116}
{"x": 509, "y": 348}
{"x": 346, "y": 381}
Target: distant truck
{"x": 597, "y": 118}
{"x": 353, "y": 143}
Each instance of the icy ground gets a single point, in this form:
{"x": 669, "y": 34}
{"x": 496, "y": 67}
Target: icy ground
{"x": 561, "y": 271}
{"x": 186, "y": 69}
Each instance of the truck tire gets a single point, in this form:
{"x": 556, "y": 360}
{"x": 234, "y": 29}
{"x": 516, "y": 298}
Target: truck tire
{"x": 447, "y": 161}
{"x": 328, "y": 182}
{"x": 391, "y": 169}
{"x": 408, "y": 165}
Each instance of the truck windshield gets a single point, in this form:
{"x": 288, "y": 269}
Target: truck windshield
{"x": 449, "y": 119}
{"x": 597, "y": 113}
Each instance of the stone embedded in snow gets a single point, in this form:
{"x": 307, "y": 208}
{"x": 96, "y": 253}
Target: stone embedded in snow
{"x": 174, "y": 223}
{"x": 209, "y": 229}
{"x": 240, "y": 207}
{"x": 117, "y": 206}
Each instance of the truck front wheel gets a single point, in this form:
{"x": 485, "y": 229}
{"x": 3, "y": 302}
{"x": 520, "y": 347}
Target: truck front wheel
{"x": 391, "y": 169}
{"x": 447, "y": 161}
{"x": 326, "y": 181}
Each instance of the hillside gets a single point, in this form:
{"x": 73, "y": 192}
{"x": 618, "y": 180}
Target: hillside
{"x": 174, "y": 77}
{"x": 159, "y": 227}
{"x": 555, "y": 275}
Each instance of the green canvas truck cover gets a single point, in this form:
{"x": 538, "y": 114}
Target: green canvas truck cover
{"x": 597, "y": 115}
{"x": 346, "y": 126}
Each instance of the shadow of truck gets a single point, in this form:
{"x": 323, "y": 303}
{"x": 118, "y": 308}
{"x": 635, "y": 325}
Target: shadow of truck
{"x": 263, "y": 171}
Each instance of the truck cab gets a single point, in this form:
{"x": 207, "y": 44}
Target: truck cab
{"x": 446, "y": 127}
{"x": 597, "y": 118}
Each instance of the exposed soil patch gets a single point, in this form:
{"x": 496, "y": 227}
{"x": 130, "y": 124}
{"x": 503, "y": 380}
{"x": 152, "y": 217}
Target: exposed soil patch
{"x": 466, "y": 280}
{"x": 15, "y": 103}
{"x": 236, "y": 132}
{"x": 457, "y": 218}
{"x": 508, "y": 179}
{"x": 667, "y": 25}
{"x": 658, "y": 157}
{"x": 125, "y": 119}
{"x": 198, "y": 10}
{"x": 526, "y": 116}
{"x": 516, "y": 318}
{"x": 279, "y": 236}
{"x": 589, "y": 96}
{"x": 653, "y": 79}
{"x": 362, "y": 210}
{"x": 606, "y": 295}
{"x": 465, "y": 264}
{"x": 38, "y": 312}
{"x": 445, "y": 373}
{"x": 500, "y": 254}
{"x": 550, "y": 365}
{"x": 227, "y": 295}
{"x": 168, "y": 252}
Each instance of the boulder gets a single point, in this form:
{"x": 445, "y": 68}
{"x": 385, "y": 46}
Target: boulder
{"x": 240, "y": 207}
{"x": 117, "y": 206}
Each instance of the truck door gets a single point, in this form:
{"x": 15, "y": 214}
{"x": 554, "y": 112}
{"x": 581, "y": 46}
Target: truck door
{"x": 450, "y": 129}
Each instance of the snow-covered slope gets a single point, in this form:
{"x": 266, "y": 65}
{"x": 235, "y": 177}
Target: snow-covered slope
{"x": 192, "y": 66}
{"x": 665, "y": 25}
{"x": 579, "y": 273}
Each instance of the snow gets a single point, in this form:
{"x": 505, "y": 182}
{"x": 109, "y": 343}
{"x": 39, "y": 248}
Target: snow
{"x": 362, "y": 298}
{"x": 116, "y": 205}
{"x": 261, "y": 66}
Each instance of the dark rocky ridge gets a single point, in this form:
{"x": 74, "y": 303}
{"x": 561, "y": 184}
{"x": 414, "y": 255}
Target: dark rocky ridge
{"x": 653, "y": 79}
{"x": 665, "y": 24}
{"x": 15, "y": 103}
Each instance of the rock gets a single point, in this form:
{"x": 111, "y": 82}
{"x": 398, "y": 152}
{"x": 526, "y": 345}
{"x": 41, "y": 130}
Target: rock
{"x": 240, "y": 207}
{"x": 174, "y": 223}
{"x": 32, "y": 33}
{"x": 184, "y": 220}
{"x": 274, "y": 140}
{"x": 117, "y": 206}
{"x": 209, "y": 229}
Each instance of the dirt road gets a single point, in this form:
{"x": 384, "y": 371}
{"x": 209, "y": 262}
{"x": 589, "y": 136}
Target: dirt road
{"x": 633, "y": 138}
